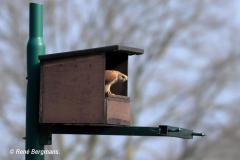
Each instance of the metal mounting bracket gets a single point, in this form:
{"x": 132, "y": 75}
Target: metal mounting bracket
{"x": 161, "y": 130}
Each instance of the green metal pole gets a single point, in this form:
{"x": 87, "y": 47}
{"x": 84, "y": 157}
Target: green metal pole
{"x": 35, "y": 47}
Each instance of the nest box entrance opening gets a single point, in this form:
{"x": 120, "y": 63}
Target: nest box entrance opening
{"x": 118, "y": 62}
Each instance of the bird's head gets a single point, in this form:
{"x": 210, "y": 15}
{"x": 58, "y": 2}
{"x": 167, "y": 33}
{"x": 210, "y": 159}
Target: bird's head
{"x": 122, "y": 77}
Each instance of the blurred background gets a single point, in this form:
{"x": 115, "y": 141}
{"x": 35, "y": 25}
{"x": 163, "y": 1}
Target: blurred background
{"x": 189, "y": 75}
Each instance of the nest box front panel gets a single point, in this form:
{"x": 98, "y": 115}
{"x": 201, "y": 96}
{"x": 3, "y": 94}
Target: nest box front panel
{"x": 118, "y": 110}
{"x": 72, "y": 90}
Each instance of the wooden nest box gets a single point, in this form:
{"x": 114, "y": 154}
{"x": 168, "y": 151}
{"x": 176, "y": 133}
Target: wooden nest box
{"x": 72, "y": 87}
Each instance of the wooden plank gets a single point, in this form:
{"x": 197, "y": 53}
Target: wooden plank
{"x": 118, "y": 110}
{"x": 114, "y": 49}
{"x": 72, "y": 90}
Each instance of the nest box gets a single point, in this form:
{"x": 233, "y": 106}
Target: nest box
{"x": 72, "y": 87}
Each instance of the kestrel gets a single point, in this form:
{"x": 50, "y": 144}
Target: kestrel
{"x": 112, "y": 77}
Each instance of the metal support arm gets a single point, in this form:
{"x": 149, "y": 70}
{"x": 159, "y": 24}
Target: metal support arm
{"x": 162, "y": 130}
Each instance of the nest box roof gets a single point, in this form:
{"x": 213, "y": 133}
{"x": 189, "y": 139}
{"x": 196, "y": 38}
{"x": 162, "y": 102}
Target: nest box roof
{"x": 114, "y": 49}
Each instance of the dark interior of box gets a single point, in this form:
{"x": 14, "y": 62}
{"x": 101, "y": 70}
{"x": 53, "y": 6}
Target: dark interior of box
{"x": 118, "y": 62}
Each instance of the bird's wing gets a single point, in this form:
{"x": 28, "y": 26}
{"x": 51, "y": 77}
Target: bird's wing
{"x": 110, "y": 75}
